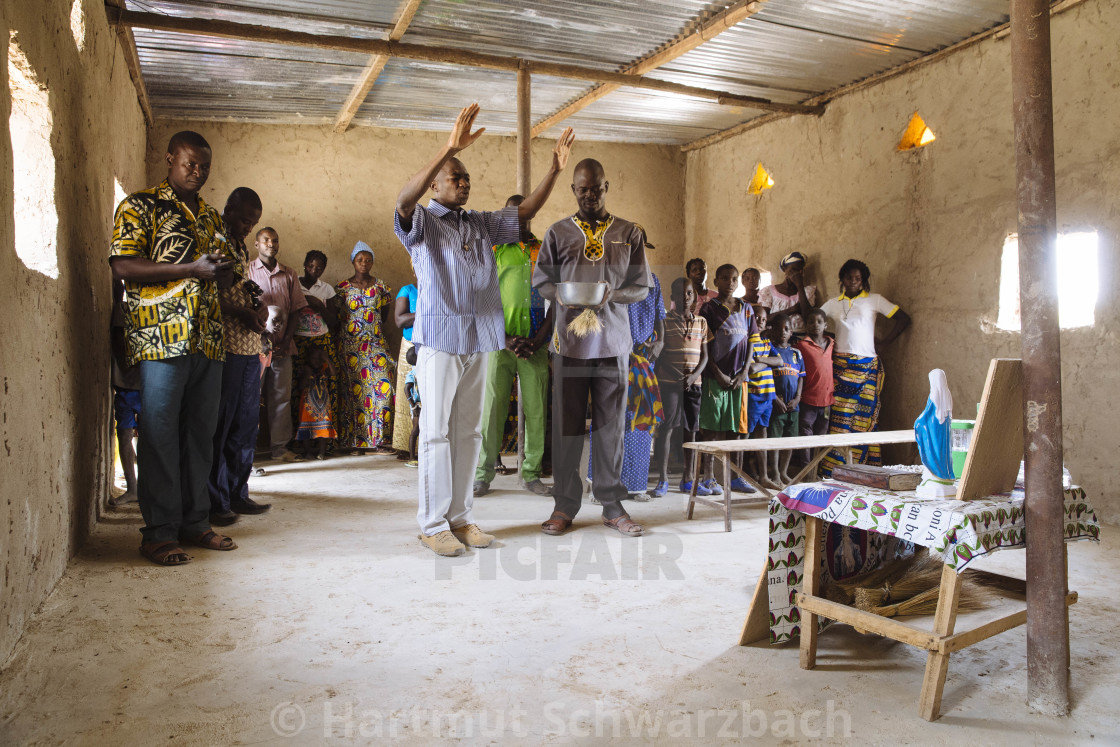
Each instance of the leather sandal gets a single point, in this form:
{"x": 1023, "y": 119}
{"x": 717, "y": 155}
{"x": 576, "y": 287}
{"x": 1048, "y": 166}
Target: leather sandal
{"x": 558, "y": 523}
{"x": 164, "y": 553}
{"x": 211, "y": 541}
{"x": 624, "y": 525}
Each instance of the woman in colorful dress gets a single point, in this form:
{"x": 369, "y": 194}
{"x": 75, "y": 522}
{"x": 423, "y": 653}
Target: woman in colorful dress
{"x": 366, "y": 414}
{"x": 856, "y": 368}
{"x": 314, "y": 327}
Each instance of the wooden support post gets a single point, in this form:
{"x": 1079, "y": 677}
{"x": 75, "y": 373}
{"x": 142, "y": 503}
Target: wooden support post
{"x": 1047, "y": 616}
{"x": 937, "y": 663}
{"x": 811, "y": 584}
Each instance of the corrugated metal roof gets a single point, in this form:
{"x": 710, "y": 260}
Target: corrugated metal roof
{"x": 789, "y": 51}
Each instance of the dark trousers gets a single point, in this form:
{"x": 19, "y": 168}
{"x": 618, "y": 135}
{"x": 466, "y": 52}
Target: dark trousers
{"x": 175, "y": 446}
{"x": 236, "y": 435}
{"x": 813, "y": 422}
{"x": 604, "y": 380}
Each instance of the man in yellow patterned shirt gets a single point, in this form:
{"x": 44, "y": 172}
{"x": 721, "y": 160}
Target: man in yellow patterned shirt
{"x": 169, "y": 249}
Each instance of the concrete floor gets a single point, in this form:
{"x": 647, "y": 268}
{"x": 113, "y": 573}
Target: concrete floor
{"x": 331, "y": 621}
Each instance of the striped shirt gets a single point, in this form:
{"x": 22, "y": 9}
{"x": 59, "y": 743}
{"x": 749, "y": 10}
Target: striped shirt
{"x": 459, "y": 306}
{"x": 761, "y": 382}
{"x": 683, "y": 341}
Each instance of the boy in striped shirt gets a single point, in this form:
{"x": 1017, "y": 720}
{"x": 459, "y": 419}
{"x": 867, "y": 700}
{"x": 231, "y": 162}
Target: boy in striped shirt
{"x": 758, "y": 405}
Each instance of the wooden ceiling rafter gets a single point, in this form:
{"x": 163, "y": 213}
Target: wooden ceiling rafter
{"x": 448, "y": 55}
{"x": 131, "y": 59}
{"x": 705, "y": 31}
{"x": 373, "y": 69}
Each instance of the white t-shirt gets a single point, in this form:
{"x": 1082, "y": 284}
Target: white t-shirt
{"x": 320, "y": 290}
{"x": 775, "y": 300}
{"x": 853, "y": 321}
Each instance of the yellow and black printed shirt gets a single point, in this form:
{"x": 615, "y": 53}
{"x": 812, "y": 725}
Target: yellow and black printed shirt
{"x": 177, "y": 317}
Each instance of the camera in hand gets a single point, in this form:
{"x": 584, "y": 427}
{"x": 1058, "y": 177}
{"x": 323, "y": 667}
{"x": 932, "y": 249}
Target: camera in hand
{"x": 255, "y": 292}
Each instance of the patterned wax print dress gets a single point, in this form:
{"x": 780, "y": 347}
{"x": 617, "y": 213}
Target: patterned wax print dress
{"x": 365, "y": 420}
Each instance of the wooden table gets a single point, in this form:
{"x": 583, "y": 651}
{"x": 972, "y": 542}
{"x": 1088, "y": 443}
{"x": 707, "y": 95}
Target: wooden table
{"x": 958, "y": 532}
{"x": 723, "y": 451}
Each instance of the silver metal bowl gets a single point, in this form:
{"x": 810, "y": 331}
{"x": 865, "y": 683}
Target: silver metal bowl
{"x": 576, "y": 295}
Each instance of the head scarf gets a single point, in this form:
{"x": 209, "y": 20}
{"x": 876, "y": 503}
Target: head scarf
{"x": 790, "y": 258}
{"x": 361, "y": 246}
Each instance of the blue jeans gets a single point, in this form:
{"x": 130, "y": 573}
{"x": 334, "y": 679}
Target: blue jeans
{"x": 175, "y": 446}
{"x": 236, "y": 434}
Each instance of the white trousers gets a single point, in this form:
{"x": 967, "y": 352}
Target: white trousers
{"x": 451, "y": 394}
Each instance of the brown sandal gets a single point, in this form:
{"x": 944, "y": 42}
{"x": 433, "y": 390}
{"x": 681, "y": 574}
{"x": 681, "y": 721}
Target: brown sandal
{"x": 164, "y": 553}
{"x": 212, "y": 541}
{"x": 558, "y": 523}
{"x": 624, "y": 525}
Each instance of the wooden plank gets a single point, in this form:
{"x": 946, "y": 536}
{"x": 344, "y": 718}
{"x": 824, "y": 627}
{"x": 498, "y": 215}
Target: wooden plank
{"x": 997, "y": 440}
{"x": 131, "y": 60}
{"x": 966, "y": 638}
{"x": 709, "y": 30}
{"x": 756, "y": 626}
{"x": 449, "y": 55}
{"x": 831, "y": 440}
{"x": 867, "y": 621}
{"x": 811, "y": 583}
{"x": 997, "y": 32}
{"x": 937, "y": 663}
{"x": 373, "y": 69}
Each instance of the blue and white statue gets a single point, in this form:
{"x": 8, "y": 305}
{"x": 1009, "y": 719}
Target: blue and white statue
{"x": 932, "y": 429}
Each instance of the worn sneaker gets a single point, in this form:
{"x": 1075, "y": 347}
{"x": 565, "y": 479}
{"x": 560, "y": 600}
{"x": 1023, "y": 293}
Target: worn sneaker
{"x": 481, "y": 488}
{"x": 472, "y": 536}
{"x": 713, "y": 487}
{"x": 686, "y": 487}
{"x": 536, "y": 486}
{"x": 739, "y": 485}
{"x": 443, "y": 543}
{"x": 288, "y": 456}
{"x": 659, "y": 490}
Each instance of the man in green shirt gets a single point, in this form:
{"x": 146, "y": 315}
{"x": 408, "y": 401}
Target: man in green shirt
{"x": 525, "y": 357}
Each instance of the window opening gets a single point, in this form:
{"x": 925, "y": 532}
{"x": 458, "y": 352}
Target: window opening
{"x": 33, "y": 166}
{"x": 917, "y": 134}
{"x": 1078, "y": 285}
{"x": 761, "y": 180}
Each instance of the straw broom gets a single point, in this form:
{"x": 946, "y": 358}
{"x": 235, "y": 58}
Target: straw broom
{"x": 585, "y": 324}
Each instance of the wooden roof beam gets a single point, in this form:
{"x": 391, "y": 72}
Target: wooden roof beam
{"x": 449, "y": 55}
{"x": 710, "y": 29}
{"x": 131, "y": 58}
{"x": 373, "y": 69}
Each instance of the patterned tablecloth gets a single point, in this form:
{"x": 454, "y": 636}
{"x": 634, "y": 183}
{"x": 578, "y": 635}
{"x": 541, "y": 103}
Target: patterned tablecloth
{"x": 891, "y": 523}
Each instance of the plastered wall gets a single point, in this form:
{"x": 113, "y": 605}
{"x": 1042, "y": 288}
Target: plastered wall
{"x": 931, "y": 222}
{"x": 324, "y": 191}
{"x": 54, "y": 347}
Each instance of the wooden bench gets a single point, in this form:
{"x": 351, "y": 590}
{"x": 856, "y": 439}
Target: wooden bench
{"x": 723, "y": 451}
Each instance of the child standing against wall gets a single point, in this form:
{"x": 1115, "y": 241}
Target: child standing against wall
{"x": 816, "y": 394}
{"x": 412, "y": 393}
{"x": 316, "y": 416}
{"x": 760, "y": 394}
{"x": 730, "y": 325}
{"x": 788, "y": 380}
{"x": 679, "y": 371}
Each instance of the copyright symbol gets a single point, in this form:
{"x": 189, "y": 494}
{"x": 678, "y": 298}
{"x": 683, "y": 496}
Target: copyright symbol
{"x": 288, "y": 720}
